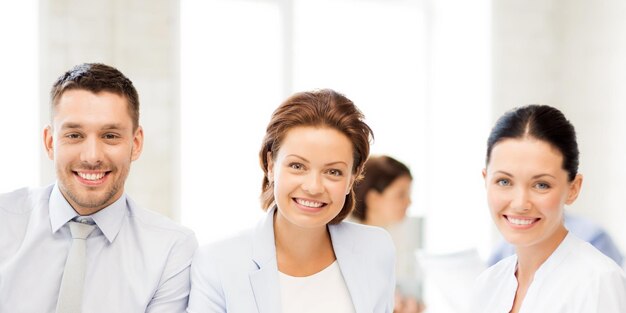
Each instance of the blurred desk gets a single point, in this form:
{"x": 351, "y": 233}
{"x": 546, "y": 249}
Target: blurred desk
{"x": 449, "y": 279}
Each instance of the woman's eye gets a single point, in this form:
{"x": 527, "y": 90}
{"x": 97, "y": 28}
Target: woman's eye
{"x": 296, "y": 166}
{"x": 335, "y": 172}
{"x": 503, "y": 182}
{"x": 542, "y": 186}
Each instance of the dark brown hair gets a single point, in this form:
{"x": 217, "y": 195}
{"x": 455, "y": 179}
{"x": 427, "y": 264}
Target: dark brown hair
{"x": 324, "y": 108}
{"x": 378, "y": 173}
{"x": 542, "y": 122}
{"x": 96, "y": 77}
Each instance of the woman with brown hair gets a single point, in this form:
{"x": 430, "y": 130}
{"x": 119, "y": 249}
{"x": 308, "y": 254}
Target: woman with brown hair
{"x": 302, "y": 257}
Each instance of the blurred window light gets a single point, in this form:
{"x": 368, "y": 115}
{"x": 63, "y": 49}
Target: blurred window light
{"x": 419, "y": 71}
{"x": 230, "y": 83}
{"x": 19, "y": 112}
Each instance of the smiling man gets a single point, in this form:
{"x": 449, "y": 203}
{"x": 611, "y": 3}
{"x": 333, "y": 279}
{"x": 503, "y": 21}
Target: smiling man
{"x": 81, "y": 244}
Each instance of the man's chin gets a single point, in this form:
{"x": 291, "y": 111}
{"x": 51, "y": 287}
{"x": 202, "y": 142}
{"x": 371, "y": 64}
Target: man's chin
{"x": 90, "y": 203}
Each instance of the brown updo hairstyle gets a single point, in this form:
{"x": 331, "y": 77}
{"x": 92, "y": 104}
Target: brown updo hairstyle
{"x": 319, "y": 108}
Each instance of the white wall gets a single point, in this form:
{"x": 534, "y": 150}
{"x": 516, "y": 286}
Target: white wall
{"x": 565, "y": 53}
{"x": 421, "y": 75}
{"x": 570, "y": 54}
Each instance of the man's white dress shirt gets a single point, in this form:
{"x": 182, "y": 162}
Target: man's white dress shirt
{"x": 136, "y": 260}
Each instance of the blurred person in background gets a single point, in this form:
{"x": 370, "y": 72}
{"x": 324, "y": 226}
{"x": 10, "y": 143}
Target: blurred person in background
{"x": 382, "y": 199}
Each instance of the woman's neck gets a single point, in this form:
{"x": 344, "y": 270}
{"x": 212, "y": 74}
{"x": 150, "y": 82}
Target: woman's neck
{"x": 530, "y": 258}
{"x": 301, "y": 251}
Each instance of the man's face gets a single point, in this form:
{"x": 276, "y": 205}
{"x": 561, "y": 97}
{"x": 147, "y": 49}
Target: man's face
{"x": 92, "y": 143}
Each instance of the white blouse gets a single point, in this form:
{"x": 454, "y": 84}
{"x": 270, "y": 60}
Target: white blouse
{"x": 576, "y": 278}
{"x": 324, "y": 291}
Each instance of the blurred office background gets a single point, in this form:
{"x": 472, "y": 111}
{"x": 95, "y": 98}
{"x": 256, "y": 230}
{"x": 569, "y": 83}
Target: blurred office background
{"x": 431, "y": 77}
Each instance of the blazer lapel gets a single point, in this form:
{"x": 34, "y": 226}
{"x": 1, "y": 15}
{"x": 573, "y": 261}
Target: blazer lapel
{"x": 264, "y": 281}
{"x": 353, "y": 268}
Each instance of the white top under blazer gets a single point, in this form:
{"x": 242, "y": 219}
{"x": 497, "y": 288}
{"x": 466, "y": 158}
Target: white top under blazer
{"x": 324, "y": 291}
{"x": 240, "y": 274}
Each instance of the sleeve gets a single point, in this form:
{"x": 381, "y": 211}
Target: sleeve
{"x": 391, "y": 286}
{"x": 207, "y": 294}
{"x": 389, "y": 265}
{"x": 172, "y": 293}
{"x": 607, "y": 294}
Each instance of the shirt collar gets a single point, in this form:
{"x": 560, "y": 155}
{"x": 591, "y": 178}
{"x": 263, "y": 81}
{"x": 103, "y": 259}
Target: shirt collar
{"x": 556, "y": 258}
{"x": 109, "y": 220}
{"x": 60, "y": 210}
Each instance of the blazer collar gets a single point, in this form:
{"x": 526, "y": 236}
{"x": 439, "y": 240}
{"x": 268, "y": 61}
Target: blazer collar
{"x": 265, "y": 283}
{"x": 264, "y": 280}
{"x": 353, "y": 266}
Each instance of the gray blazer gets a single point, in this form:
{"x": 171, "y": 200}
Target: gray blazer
{"x": 241, "y": 274}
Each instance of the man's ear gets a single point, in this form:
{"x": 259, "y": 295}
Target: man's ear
{"x": 137, "y": 143}
{"x": 574, "y": 189}
{"x": 48, "y": 141}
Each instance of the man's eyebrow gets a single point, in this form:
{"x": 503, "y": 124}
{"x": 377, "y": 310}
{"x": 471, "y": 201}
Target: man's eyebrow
{"x": 71, "y": 125}
{"x": 112, "y": 126}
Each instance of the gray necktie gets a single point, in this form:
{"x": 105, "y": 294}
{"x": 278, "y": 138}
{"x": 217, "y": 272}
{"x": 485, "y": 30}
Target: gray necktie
{"x": 71, "y": 291}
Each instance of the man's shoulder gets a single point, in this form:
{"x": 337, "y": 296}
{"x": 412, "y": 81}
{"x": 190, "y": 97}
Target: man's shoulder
{"x": 231, "y": 254}
{"x": 151, "y": 220}
{"x": 232, "y": 247}
{"x": 23, "y": 200}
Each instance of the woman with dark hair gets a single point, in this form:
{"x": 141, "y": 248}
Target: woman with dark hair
{"x": 302, "y": 257}
{"x": 384, "y": 193}
{"x": 382, "y": 199}
{"x": 531, "y": 174}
